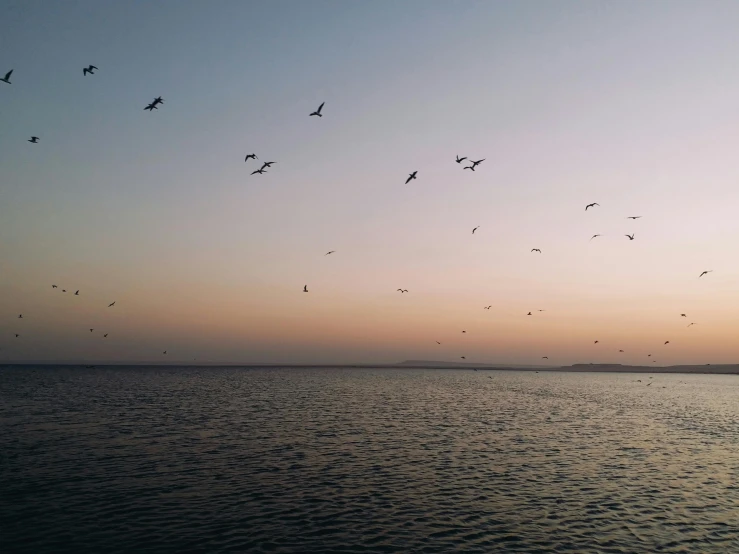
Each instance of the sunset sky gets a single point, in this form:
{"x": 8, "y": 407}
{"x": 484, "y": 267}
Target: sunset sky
{"x": 633, "y": 105}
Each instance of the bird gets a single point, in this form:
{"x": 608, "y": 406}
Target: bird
{"x": 650, "y": 383}
{"x": 64, "y": 290}
{"x": 591, "y": 205}
{"x": 705, "y": 273}
{"x": 91, "y": 330}
{"x": 475, "y": 229}
{"x": 105, "y": 336}
{"x": 596, "y": 342}
{"x": 667, "y": 342}
{"x": 89, "y": 69}
{"x": 472, "y": 167}
{"x": 111, "y": 304}
{"x": 151, "y": 107}
{"x": 305, "y": 288}
{"x": 545, "y": 357}
{"x": 17, "y": 335}
{"x": 536, "y": 250}
{"x": 541, "y": 310}
{"x": 329, "y": 252}
{"x": 683, "y": 315}
{"x": 250, "y": 157}
{"x": 476, "y": 163}
{"x": 20, "y": 316}
{"x": 594, "y": 236}
{"x": 634, "y": 217}
{"x": 318, "y": 111}
{"x": 77, "y": 293}
{"x": 260, "y": 171}
{"x": 487, "y": 307}
{"x": 631, "y": 237}
{"x": 690, "y": 324}
{"x": 403, "y": 290}
{"x": 464, "y": 331}
{"x": 529, "y": 313}
{"x": 158, "y": 100}
{"x": 460, "y": 160}
{"x": 437, "y": 342}
{"x": 33, "y": 140}
{"x": 649, "y": 355}
{"x": 620, "y": 350}
{"x": 267, "y": 164}
{"x": 6, "y": 79}
{"x": 463, "y": 357}
{"x": 54, "y": 286}
{"x": 411, "y": 177}
{"x": 164, "y": 352}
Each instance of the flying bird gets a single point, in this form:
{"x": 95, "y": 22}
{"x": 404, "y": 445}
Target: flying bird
{"x": 536, "y": 250}
{"x": 591, "y": 205}
{"x": 34, "y": 140}
{"x": 91, "y": 330}
{"x": 472, "y": 167}
{"x": 529, "y": 313}
{"x": 89, "y": 69}
{"x": 545, "y": 357}
{"x": 17, "y": 335}
{"x": 705, "y": 272}
{"x": 460, "y": 160}
{"x": 64, "y": 290}
{"x": 250, "y": 157}
{"x": 667, "y": 342}
{"x": 318, "y": 111}
{"x": 329, "y": 252}
{"x": 411, "y": 177}
{"x": 692, "y": 324}
{"x": 463, "y": 357}
{"x": 77, "y": 293}
{"x": 260, "y": 171}
{"x": 475, "y": 229}
{"x": 620, "y": 350}
{"x": 105, "y": 336}
{"x": 594, "y": 236}
{"x": 164, "y": 352}
{"x": 631, "y": 237}
{"x": 634, "y": 217}
{"x": 649, "y": 355}
{"x": 437, "y": 342}
{"x": 464, "y": 331}
{"x": 476, "y": 163}
{"x": 151, "y": 107}
{"x": 111, "y": 304}
{"x": 158, "y": 100}
{"x": 541, "y": 310}
{"x": 683, "y": 315}
{"x": 487, "y": 307}
{"x": 20, "y": 316}
{"x": 596, "y": 342}
{"x": 305, "y": 288}
{"x": 53, "y": 286}
{"x": 6, "y": 79}
{"x": 650, "y": 383}
{"x": 403, "y": 290}
{"x": 267, "y": 164}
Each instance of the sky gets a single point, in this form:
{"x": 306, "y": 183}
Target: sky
{"x": 631, "y": 104}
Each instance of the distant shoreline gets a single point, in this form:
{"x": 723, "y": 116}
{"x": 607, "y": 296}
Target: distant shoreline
{"x": 723, "y": 369}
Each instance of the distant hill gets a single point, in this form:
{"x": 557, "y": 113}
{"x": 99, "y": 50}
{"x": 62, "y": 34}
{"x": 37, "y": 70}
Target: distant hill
{"x": 427, "y": 363}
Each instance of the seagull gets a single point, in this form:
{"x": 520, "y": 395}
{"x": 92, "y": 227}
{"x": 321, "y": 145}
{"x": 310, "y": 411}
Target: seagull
{"x": 77, "y": 293}
{"x": 403, "y": 290}
{"x": 620, "y": 350}
{"x": 475, "y": 229}
{"x": 705, "y": 272}
{"x": 250, "y": 157}
{"x": 594, "y": 236}
{"x": 631, "y": 237}
{"x": 260, "y": 171}
{"x": 596, "y": 342}
{"x": 529, "y": 313}
{"x": 64, "y": 290}
{"x": 329, "y": 252}
{"x": 692, "y": 324}
{"x": 318, "y": 111}
{"x": 164, "y": 352}
{"x": 6, "y": 79}
{"x": 20, "y": 316}
{"x": 634, "y": 217}
{"x": 667, "y": 342}
{"x": 158, "y": 100}
{"x": 91, "y": 330}
{"x": 151, "y": 107}
{"x": 34, "y": 140}
{"x": 487, "y": 307}
{"x": 472, "y": 167}
{"x": 536, "y": 250}
{"x": 267, "y": 164}
{"x": 683, "y": 315}
{"x": 460, "y": 160}
{"x": 89, "y": 69}
{"x": 476, "y": 163}
{"x": 105, "y": 336}
{"x": 545, "y": 357}
{"x": 649, "y": 355}
{"x": 411, "y": 177}
{"x": 437, "y": 342}
{"x": 305, "y": 288}
{"x": 463, "y": 357}
{"x": 111, "y": 304}
{"x": 591, "y": 205}
{"x": 53, "y": 286}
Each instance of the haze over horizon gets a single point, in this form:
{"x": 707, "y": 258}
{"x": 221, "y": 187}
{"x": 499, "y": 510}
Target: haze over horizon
{"x": 630, "y": 105}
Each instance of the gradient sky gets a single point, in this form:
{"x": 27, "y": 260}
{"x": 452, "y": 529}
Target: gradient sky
{"x": 631, "y": 104}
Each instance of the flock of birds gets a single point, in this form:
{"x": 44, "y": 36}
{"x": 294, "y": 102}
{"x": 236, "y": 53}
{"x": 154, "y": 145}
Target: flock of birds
{"x": 154, "y": 105}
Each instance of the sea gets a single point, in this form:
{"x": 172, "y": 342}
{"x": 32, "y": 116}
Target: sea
{"x": 342, "y": 460}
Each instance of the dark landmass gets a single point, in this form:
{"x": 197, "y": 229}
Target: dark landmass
{"x": 721, "y": 369}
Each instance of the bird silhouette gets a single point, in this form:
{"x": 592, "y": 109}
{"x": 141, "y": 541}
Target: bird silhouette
{"x": 164, "y": 352}
{"x": 631, "y": 237}
{"x": 91, "y": 330}
{"x": 77, "y": 293}
{"x": 705, "y": 273}
{"x": 536, "y": 250}
{"x": 475, "y": 229}
{"x": 649, "y": 356}
{"x": 620, "y": 350}
{"x": 411, "y": 177}
{"x": 318, "y": 111}
{"x": 158, "y": 100}
{"x": 691, "y": 324}
{"x": 402, "y": 290}
{"x": 260, "y": 171}
{"x": 650, "y": 383}
{"x": 33, "y": 140}
{"x": 6, "y": 79}
{"x": 476, "y": 163}
{"x": 437, "y": 342}
{"x": 64, "y": 290}
{"x": 151, "y": 107}
{"x": 54, "y": 286}
{"x": 545, "y": 357}
{"x": 591, "y": 205}
{"x": 250, "y": 157}
{"x": 20, "y": 316}
{"x": 89, "y": 69}
{"x": 487, "y": 307}
{"x": 105, "y": 336}
{"x": 17, "y": 335}
{"x": 472, "y": 167}
{"x": 683, "y": 315}
{"x": 634, "y": 217}
{"x": 594, "y": 236}
{"x": 111, "y": 304}
{"x": 464, "y": 331}
{"x": 463, "y": 357}
{"x": 265, "y": 165}
{"x": 596, "y": 342}
{"x": 460, "y": 160}
{"x": 329, "y": 252}
{"x": 667, "y": 342}
{"x": 529, "y": 313}
{"x": 305, "y": 288}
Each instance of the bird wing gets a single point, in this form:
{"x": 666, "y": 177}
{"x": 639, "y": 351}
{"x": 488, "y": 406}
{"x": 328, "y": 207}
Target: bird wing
{"x": 408, "y": 180}
{"x": 93, "y": 67}
{"x": 320, "y": 107}
{"x": 8, "y": 74}
{"x": 85, "y": 71}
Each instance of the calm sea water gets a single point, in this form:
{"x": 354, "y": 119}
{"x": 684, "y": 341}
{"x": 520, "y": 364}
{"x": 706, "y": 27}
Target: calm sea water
{"x": 331, "y": 460}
